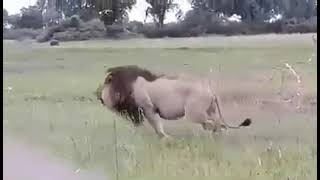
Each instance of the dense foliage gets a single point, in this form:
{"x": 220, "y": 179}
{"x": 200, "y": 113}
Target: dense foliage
{"x": 204, "y": 18}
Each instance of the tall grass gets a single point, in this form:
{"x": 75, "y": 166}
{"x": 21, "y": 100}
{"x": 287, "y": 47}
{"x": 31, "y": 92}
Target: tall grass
{"x": 55, "y": 108}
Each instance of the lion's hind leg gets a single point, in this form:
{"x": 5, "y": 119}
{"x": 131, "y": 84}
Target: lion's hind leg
{"x": 196, "y": 114}
{"x": 218, "y": 127}
{"x": 207, "y": 125}
{"x": 211, "y": 126}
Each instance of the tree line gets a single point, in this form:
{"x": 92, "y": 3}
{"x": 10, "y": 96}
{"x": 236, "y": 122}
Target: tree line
{"x": 83, "y": 19}
{"x": 114, "y": 11}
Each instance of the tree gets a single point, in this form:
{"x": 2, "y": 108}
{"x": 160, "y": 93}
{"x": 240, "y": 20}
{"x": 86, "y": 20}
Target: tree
{"x": 111, "y": 11}
{"x": 5, "y": 17}
{"x": 258, "y": 10}
{"x": 5, "y": 14}
{"x": 14, "y": 20}
{"x": 31, "y": 18}
{"x": 51, "y": 17}
{"x": 158, "y": 10}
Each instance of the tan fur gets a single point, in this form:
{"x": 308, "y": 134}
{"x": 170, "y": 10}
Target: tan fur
{"x": 161, "y": 98}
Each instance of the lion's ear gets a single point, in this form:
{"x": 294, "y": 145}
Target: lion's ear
{"x": 108, "y": 78}
{"x": 110, "y": 70}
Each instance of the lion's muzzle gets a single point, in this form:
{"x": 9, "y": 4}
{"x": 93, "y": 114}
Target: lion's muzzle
{"x": 101, "y": 100}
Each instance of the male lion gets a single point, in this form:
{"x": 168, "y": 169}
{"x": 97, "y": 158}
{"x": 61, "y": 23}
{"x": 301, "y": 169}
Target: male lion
{"x": 136, "y": 93}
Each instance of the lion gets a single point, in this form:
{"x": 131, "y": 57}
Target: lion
{"x": 137, "y": 94}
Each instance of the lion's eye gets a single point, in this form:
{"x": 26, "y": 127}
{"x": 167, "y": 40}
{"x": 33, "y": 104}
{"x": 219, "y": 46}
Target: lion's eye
{"x": 108, "y": 79}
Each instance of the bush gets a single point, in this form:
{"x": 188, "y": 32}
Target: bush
{"x": 114, "y": 30}
{"x": 72, "y": 22}
{"x": 75, "y": 21}
{"x": 47, "y": 34}
{"x": 226, "y": 28}
{"x": 14, "y": 20}
{"x": 87, "y": 14}
{"x": 173, "y": 30}
{"x": 183, "y": 30}
{"x": 92, "y": 29}
{"x": 197, "y": 23}
{"x": 93, "y": 25}
{"x": 67, "y": 36}
{"x": 70, "y": 35}
{"x": 50, "y": 17}
{"x": 31, "y": 18}
{"x": 304, "y": 27}
{"x": 275, "y": 27}
{"x": 73, "y": 29}
{"x": 135, "y": 26}
{"x": 151, "y": 31}
{"x": 20, "y": 34}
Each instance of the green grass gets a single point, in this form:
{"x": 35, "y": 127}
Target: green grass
{"x": 52, "y": 105}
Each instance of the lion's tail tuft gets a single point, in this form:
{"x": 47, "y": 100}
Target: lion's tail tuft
{"x": 246, "y": 122}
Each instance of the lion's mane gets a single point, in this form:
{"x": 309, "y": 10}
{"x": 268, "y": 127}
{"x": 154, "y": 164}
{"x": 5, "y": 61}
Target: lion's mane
{"x": 123, "y": 78}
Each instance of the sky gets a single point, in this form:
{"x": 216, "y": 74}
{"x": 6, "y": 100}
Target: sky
{"x": 137, "y": 13}
{"x": 14, "y": 6}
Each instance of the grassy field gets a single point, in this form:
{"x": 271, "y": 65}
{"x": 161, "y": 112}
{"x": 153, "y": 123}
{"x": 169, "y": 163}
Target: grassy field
{"x": 49, "y": 101}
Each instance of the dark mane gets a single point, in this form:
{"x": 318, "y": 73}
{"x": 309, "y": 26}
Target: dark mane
{"x": 121, "y": 84}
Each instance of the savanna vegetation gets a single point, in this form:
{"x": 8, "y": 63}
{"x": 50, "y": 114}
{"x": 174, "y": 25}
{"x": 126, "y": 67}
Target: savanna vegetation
{"x": 49, "y": 101}
{"x": 68, "y": 20}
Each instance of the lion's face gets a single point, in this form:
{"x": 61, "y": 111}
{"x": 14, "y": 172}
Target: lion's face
{"x": 105, "y": 97}
{"x": 108, "y": 97}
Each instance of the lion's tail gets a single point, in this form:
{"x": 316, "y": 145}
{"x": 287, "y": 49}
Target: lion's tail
{"x": 246, "y": 122}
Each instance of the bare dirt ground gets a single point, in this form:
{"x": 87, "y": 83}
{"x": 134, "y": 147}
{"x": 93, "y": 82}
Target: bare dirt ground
{"x": 21, "y": 161}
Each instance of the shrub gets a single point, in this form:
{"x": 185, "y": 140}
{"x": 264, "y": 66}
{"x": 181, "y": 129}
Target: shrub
{"x": 14, "y": 20}
{"x": 151, "y": 31}
{"x": 31, "y": 18}
{"x": 88, "y": 14}
{"x": 300, "y": 28}
{"x": 72, "y": 29}
{"x": 67, "y": 35}
{"x": 70, "y": 35}
{"x": 47, "y": 34}
{"x": 114, "y": 30}
{"x": 73, "y": 22}
{"x": 93, "y": 25}
{"x": 197, "y": 23}
{"x": 50, "y": 17}
{"x": 20, "y": 34}
{"x": 135, "y": 26}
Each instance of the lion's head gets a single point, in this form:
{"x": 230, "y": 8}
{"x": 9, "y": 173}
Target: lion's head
{"x": 116, "y": 92}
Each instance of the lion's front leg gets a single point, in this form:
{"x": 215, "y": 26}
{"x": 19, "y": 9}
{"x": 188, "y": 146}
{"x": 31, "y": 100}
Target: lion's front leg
{"x": 142, "y": 98}
{"x": 156, "y": 122}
